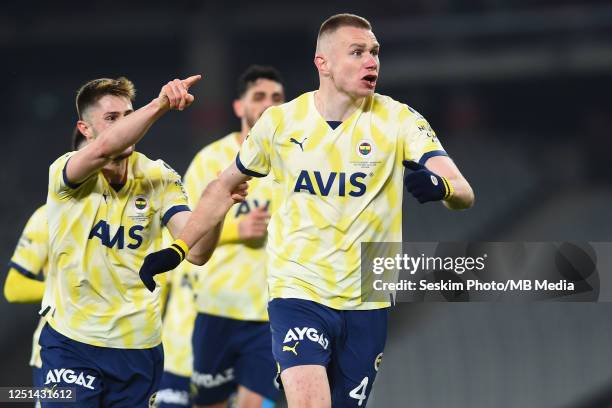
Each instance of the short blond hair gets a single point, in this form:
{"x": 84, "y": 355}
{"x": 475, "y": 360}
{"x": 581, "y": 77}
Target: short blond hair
{"x": 343, "y": 20}
{"x": 95, "y": 89}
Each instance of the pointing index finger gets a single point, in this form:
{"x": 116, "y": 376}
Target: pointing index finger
{"x": 188, "y": 82}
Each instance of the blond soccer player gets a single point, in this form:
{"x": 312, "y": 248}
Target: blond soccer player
{"x": 339, "y": 153}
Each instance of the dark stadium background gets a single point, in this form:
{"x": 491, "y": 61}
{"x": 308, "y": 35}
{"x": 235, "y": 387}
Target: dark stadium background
{"x": 519, "y": 92}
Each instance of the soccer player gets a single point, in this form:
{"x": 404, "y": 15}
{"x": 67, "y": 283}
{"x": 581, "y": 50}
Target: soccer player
{"x": 339, "y": 153}
{"x": 28, "y": 268}
{"x": 231, "y": 338}
{"x": 106, "y": 207}
{"x": 177, "y": 327}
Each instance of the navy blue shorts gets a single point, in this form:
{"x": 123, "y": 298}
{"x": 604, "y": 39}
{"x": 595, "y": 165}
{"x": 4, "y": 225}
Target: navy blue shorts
{"x": 349, "y": 343}
{"x": 229, "y": 352}
{"x": 37, "y": 377}
{"x": 174, "y": 391}
{"x": 101, "y": 376}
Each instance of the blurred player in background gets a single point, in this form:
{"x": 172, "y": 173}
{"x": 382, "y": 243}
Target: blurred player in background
{"x": 28, "y": 268}
{"x": 106, "y": 208}
{"x": 177, "y": 327}
{"x": 339, "y": 153}
{"x": 231, "y": 338}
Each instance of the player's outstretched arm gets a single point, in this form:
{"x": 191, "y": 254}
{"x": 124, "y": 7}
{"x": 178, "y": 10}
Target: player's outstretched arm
{"x": 129, "y": 130}
{"x": 198, "y": 238}
{"x": 439, "y": 179}
{"x": 21, "y": 289}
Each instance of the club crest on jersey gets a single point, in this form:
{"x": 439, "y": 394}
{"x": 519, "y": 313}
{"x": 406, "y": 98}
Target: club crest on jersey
{"x": 365, "y": 148}
{"x": 377, "y": 361}
{"x": 140, "y": 202}
{"x": 138, "y": 210}
{"x": 152, "y": 400}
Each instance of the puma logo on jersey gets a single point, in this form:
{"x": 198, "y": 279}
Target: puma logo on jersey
{"x": 297, "y": 334}
{"x": 301, "y": 144}
{"x": 291, "y": 349}
{"x": 68, "y": 376}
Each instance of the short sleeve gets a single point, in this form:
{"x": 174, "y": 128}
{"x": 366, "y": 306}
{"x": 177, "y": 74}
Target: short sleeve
{"x": 204, "y": 168}
{"x": 254, "y": 157}
{"x": 174, "y": 199}
{"x": 419, "y": 139}
{"x": 30, "y": 256}
{"x": 59, "y": 186}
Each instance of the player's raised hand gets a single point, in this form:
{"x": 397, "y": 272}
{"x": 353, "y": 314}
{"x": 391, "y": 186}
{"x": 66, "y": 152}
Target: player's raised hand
{"x": 424, "y": 184}
{"x": 175, "y": 94}
{"x": 255, "y": 224}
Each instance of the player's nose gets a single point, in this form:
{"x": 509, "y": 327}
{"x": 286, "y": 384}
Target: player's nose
{"x": 267, "y": 103}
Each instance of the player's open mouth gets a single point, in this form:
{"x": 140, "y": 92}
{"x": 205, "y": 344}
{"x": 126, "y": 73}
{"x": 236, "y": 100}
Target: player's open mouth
{"x": 370, "y": 80}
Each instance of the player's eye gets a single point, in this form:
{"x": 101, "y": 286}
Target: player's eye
{"x": 375, "y": 52}
{"x": 259, "y": 96}
{"x": 357, "y": 53}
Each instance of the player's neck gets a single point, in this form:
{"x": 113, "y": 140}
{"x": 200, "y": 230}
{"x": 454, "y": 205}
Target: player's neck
{"x": 334, "y": 105}
{"x": 244, "y": 131}
{"x": 116, "y": 172}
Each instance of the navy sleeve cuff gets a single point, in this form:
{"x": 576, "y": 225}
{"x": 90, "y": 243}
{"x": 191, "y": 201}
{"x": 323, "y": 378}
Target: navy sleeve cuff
{"x": 173, "y": 210}
{"x": 66, "y": 181}
{"x": 431, "y": 154}
{"x": 23, "y": 271}
{"x": 246, "y": 171}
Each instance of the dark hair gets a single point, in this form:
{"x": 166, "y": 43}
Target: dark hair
{"x": 78, "y": 139}
{"x": 343, "y": 20}
{"x": 93, "y": 90}
{"x": 253, "y": 73}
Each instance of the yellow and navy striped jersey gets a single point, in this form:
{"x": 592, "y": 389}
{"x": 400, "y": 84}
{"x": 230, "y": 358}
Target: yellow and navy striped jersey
{"x": 30, "y": 259}
{"x": 177, "y": 325}
{"x": 233, "y": 282}
{"x": 98, "y": 238}
{"x": 341, "y": 186}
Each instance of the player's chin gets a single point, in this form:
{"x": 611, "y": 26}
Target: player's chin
{"x": 366, "y": 90}
{"x": 125, "y": 154}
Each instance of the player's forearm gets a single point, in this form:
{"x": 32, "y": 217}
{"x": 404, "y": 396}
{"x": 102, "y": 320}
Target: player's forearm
{"x": 20, "y": 289}
{"x": 462, "y": 197}
{"x": 214, "y": 204}
{"x": 129, "y": 130}
{"x": 204, "y": 248}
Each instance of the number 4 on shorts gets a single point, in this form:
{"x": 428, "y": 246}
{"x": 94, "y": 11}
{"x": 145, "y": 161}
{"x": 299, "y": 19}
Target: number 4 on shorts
{"x": 359, "y": 392}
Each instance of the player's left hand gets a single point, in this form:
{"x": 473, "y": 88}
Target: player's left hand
{"x": 160, "y": 262}
{"x": 175, "y": 94}
{"x": 424, "y": 184}
{"x": 239, "y": 193}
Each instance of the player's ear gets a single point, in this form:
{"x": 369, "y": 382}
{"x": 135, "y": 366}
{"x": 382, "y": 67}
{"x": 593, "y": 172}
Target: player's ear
{"x": 238, "y": 108}
{"x": 85, "y": 130}
{"x": 321, "y": 63}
